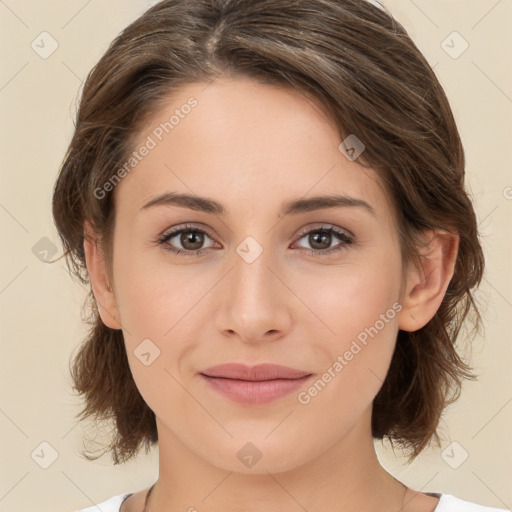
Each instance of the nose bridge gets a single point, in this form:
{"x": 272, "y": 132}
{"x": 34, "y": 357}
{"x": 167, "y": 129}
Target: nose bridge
{"x": 253, "y": 300}
{"x": 253, "y": 282}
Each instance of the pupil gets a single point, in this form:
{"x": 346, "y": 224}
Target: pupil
{"x": 318, "y": 238}
{"x": 187, "y": 239}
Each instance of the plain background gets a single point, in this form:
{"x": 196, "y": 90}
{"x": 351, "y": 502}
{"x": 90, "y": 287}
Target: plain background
{"x": 40, "y": 306}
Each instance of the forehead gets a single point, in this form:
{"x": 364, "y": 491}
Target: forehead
{"x": 237, "y": 138}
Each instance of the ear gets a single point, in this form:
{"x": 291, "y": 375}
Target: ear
{"x": 101, "y": 288}
{"x": 426, "y": 286}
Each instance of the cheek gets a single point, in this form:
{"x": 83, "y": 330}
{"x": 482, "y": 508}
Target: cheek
{"x": 348, "y": 298}
{"x": 155, "y": 313}
{"x": 152, "y": 298}
{"x": 358, "y": 308}
{"x": 355, "y": 359}
{"x": 159, "y": 309}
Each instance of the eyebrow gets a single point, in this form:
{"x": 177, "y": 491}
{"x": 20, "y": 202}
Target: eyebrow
{"x": 207, "y": 205}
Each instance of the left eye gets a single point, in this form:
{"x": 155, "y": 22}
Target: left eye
{"x": 192, "y": 239}
{"x": 324, "y": 236}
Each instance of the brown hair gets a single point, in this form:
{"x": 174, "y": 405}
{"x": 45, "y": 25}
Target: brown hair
{"x": 360, "y": 64}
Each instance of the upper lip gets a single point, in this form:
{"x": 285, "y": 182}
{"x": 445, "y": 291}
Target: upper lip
{"x": 264, "y": 371}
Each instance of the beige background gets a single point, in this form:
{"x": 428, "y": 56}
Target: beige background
{"x": 40, "y": 305}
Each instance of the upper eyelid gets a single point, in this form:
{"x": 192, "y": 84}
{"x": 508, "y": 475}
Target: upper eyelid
{"x": 324, "y": 225}
{"x": 179, "y": 229}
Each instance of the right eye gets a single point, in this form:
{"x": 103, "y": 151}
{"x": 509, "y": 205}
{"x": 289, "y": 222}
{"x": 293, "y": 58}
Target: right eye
{"x": 190, "y": 238}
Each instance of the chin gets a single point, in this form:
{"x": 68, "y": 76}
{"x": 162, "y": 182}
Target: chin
{"x": 258, "y": 456}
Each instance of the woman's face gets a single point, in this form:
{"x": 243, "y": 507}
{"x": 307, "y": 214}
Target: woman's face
{"x": 266, "y": 287}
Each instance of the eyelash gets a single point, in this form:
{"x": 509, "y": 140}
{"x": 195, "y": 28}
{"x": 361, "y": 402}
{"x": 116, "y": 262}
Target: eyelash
{"x": 346, "y": 240}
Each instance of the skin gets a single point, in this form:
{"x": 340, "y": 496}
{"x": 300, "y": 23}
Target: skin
{"x": 252, "y": 147}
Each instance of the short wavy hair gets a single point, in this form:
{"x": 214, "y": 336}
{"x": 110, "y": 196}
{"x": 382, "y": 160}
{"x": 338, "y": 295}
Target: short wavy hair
{"x": 362, "y": 67}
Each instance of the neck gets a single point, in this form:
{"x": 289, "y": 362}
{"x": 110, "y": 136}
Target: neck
{"x": 346, "y": 477}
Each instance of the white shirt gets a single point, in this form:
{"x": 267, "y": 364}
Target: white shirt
{"x": 447, "y": 503}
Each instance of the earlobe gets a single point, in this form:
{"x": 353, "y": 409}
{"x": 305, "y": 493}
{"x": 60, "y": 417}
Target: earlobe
{"x": 426, "y": 285}
{"x": 102, "y": 290}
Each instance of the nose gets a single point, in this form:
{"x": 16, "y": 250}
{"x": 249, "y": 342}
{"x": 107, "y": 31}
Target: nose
{"x": 254, "y": 303}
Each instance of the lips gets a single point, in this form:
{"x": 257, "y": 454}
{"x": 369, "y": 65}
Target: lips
{"x": 258, "y": 372}
{"x": 254, "y": 385}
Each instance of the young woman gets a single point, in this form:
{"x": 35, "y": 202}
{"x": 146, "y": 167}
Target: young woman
{"x": 267, "y": 199}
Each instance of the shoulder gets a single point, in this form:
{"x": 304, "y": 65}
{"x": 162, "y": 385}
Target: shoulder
{"x": 110, "y": 505}
{"x": 449, "y": 503}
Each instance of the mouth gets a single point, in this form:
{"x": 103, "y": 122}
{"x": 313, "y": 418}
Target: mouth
{"x": 254, "y": 385}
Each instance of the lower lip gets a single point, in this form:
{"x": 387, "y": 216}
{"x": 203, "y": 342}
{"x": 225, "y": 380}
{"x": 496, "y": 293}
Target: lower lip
{"x": 255, "y": 392}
